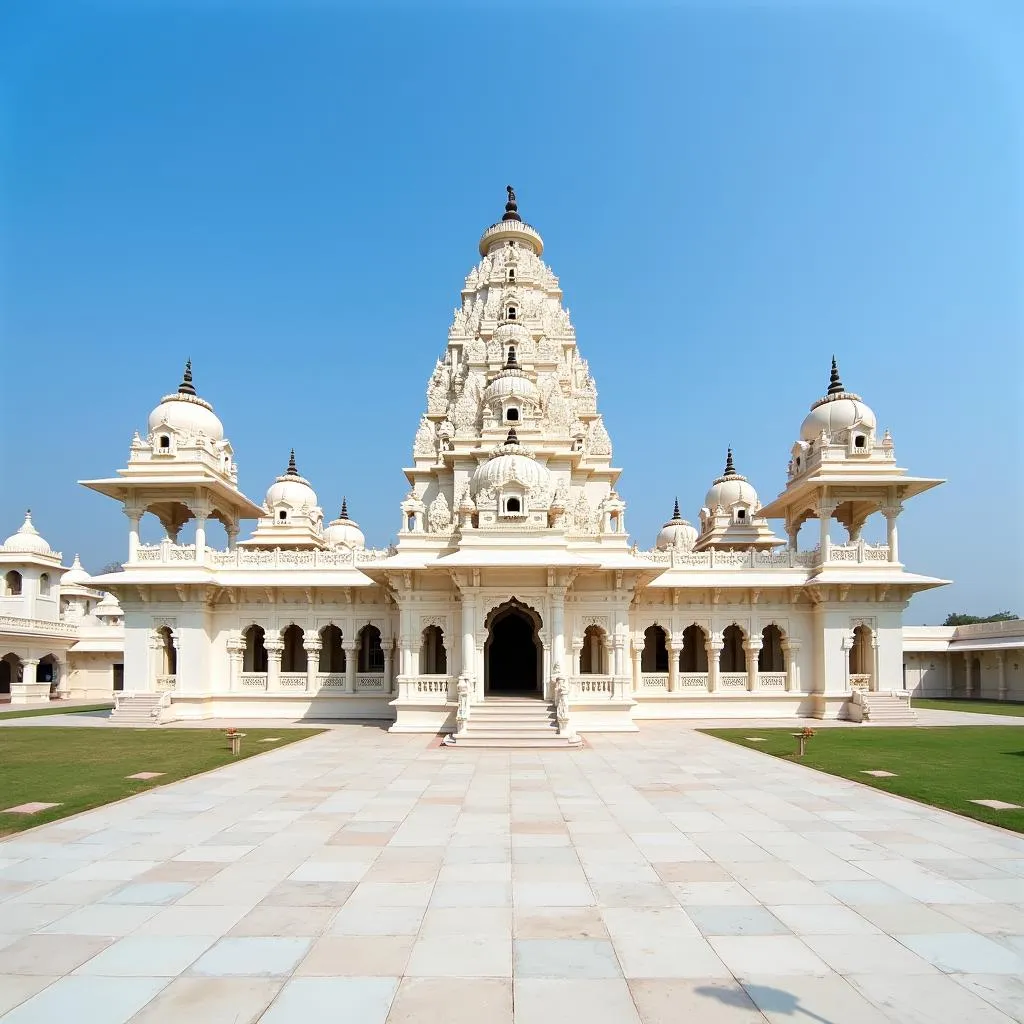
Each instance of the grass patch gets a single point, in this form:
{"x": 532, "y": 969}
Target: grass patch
{"x": 978, "y": 707}
{"x": 84, "y": 768}
{"x": 39, "y": 712}
{"x": 944, "y": 767}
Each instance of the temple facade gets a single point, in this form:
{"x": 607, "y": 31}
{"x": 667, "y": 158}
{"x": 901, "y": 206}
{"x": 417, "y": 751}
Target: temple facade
{"x": 513, "y": 573}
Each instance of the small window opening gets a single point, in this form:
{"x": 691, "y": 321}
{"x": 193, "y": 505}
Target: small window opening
{"x": 741, "y": 514}
{"x": 165, "y": 441}
{"x": 798, "y": 462}
{"x": 511, "y": 273}
{"x": 859, "y": 441}
{"x": 282, "y": 515}
{"x": 512, "y": 415}
{"x": 512, "y": 312}
{"x": 410, "y": 523}
{"x": 512, "y": 505}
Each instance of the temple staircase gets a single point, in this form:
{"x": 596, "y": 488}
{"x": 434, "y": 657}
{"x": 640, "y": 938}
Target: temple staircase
{"x": 513, "y": 722}
{"x": 888, "y": 709}
{"x": 137, "y": 709}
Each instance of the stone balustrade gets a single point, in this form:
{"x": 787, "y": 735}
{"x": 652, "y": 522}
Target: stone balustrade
{"x": 17, "y": 624}
{"x": 592, "y": 685}
{"x": 856, "y": 553}
{"x": 169, "y": 553}
{"x": 166, "y": 683}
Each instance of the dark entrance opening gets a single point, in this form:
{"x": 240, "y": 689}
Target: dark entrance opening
{"x": 513, "y": 654}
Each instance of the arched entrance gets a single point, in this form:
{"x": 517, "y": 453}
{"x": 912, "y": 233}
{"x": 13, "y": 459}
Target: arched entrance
{"x": 512, "y": 654}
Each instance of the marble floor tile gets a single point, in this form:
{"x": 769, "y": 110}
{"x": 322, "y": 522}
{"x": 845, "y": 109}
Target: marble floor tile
{"x": 210, "y": 1001}
{"x": 360, "y": 956}
{"x": 867, "y": 954}
{"x": 708, "y": 1000}
{"x": 280, "y": 921}
{"x": 256, "y": 957}
{"x": 371, "y": 920}
{"x": 788, "y": 998}
{"x": 565, "y": 958}
{"x": 1003, "y": 991}
{"x": 596, "y": 1001}
{"x": 42, "y": 954}
{"x": 452, "y": 1001}
{"x": 332, "y": 1000}
{"x": 147, "y": 956}
{"x": 559, "y": 923}
{"x": 461, "y": 956}
{"x": 15, "y": 989}
{"x": 747, "y": 955}
{"x": 102, "y": 919}
{"x": 177, "y": 920}
{"x": 925, "y": 999}
{"x": 87, "y": 1001}
{"x": 736, "y": 921}
{"x": 964, "y": 953}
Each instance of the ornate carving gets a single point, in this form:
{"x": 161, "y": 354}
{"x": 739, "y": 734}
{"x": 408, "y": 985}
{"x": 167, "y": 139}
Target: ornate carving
{"x": 583, "y": 514}
{"x": 439, "y": 514}
{"x": 424, "y": 442}
{"x": 598, "y": 441}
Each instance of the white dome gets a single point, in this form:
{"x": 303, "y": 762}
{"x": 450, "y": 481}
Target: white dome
{"x": 839, "y": 410}
{"x": 108, "y": 607}
{"x": 510, "y": 463}
{"x": 730, "y": 489}
{"x": 676, "y": 533}
{"x": 185, "y": 413}
{"x": 344, "y": 532}
{"x": 511, "y": 227}
{"x": 511, "y": 334}
{"x": 511, "y": 383}
{"x": 27, "y": 540}
{"x": 291, "y": 489}
{"x": 76, "y": 576}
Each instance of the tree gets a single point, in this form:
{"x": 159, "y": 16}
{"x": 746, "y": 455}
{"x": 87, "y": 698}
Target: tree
{"x": 111, "y": 567}
{"x": 963, "y": 619}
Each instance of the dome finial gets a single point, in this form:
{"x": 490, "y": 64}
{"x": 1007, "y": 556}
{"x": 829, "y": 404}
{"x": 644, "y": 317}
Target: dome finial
{"x": 511, "y": 207}
{"x": 675, "y": 510}
{"x": 730, "y": 468}
{"x": 512, "y": 438}
{"x": 186, "y": 387}
{"x": 344, "y": 508}
{"x": 291, "y": 471}
{"x": 835, "y": 385}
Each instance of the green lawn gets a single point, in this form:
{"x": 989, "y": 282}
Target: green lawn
{"x": 945, "y": 767}
{"x": 979, "y": 707}
{"x": 36, "y": 712}
{"x": 82, "y": 768}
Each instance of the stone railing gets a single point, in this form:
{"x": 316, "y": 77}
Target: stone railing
{"x": 253, "y": 681}
{"x": 375, "y": 682}
{"x": 331, "y": 680}
{"x": 771, "y": 680}
{"x": 732, "y": 680}
{"x": 16, "y": 624}
{"x": 292, "y": 680}
{"x": 430, "y": 687}
{"x": 860, "y": 681}
{"x": 692, "y": 681}
{"x": 654, "y": 681}
{"x": 858, "y": 552}
{"x": 980, "y": 630}
{"x": 168, "y": 553}
{"x": 164, "y": 683}
{"x": 592, "y": 685}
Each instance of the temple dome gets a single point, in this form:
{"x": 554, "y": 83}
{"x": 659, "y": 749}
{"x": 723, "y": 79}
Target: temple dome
{"x": 76, "y": 576}
{"x": 291, "y": 489}
{"x": 839, "y": 410}
{"x": 511, "y": 382}
{"x": 184, "y": 412}
{"x": 27, "y": 540}
{"x": 510, "y": 463}
{"x": 676, "y": 533}
{"x": 730, "y": 489}
{"x": 344, "y": 532}
{"x": 511, "y": 228}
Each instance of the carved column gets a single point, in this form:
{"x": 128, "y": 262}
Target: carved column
{"x": 236, "y": 651}
{"x": 619, "y": 659}
{"x": 232, "y": 531}
{"x": 312, "y": 649}
{"x": 638, "y": 674}
{"x": 200, "y": 537}
{"x": 791, "y": 649}
{"x": 558, "y": 666}
{"x": 825, "y": 510}
{"x": 713, "y": 648}
{"x": 674, "y": 650}
{"x": 1001, "y": 666}
{"x": 875, "y": 681}
{"x": 577, "y": 650}
{"x": 752, "y": 647}
{"x": 351, "y": 649}
{"x": 134, "y": 518}
{"x": 468, "y": 635}
{"x": 274, "y": 649}
{"x": 28, "y": 671}
{"x": 389, "y": 648}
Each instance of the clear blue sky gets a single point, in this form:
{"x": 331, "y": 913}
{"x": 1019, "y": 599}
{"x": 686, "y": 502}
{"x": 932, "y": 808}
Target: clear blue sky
{"x": 291, "y": 193}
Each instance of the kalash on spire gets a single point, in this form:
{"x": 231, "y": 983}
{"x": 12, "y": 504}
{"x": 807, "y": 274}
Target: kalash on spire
{"x": 512, "y": 370}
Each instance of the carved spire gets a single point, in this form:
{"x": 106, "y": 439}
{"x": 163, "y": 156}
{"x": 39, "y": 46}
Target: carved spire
{"x": 730, "y": 468}
{"x": 186, "y": 387}
{"x": 344, "y": 508}
{"x": 512, "y": 438}
{"x": 835, "y": 385}
{"x": 291, "y": 470}
{"x": 675, "y": 510}
{"x": 511, "y": 207}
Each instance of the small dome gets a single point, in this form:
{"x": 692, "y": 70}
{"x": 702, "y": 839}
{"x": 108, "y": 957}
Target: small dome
{"x": 676, "y": 533}
{"x": 27, "y": 540}
{"x": 730, "y": 489}
{"x": 511, "y": 382}
{"x": 510, "y": 463}
{"x": 511, "y": 228}
{"x": 839, "y": 410}
{"x": 344, "y": 532}
{"x": 291, "y": 489}
{"x": 186, "y": 413}
{"x": 108, "y": 607}
{"x": 76, "y": 576}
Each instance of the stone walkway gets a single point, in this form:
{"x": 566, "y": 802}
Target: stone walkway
{"x": 365, "y": 877}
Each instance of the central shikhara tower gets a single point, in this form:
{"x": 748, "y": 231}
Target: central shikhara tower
{"x": 513, "y": 574}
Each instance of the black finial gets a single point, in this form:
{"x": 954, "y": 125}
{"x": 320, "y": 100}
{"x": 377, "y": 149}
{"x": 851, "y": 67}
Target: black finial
{"x": 730, "y": 468}
{"x": 291, "y": 471}
{"x": 511, "y": 363}
{"x": 675, "y": 510}
{"x": 835, "y": 385}
{"x": 511, "y": 207}
{"x": 186, "y": 387}
{"x": 344, "y": 508}
{"x": 512, "y": 436}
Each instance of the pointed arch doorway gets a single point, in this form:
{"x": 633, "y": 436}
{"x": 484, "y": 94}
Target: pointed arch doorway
{"x": 513, "y": 656}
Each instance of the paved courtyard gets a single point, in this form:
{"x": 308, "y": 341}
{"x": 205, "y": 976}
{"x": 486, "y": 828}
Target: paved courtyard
{"x": 369, "y": 878}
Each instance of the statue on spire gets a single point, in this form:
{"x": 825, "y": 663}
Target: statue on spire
{"x": 511, "y": 193}
{"x": 511, "y": 208}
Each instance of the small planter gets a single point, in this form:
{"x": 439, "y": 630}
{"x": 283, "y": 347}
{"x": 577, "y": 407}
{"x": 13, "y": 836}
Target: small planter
{"x": 235, "y": 738}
